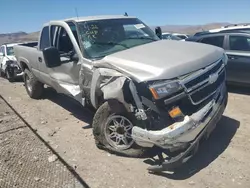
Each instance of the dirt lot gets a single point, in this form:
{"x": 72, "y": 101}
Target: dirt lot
{"x": 25, "y": 160}
{"x": 222, "y": 161}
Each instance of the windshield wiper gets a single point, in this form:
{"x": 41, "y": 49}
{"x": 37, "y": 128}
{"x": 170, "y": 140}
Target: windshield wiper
{"x": 111, "y": 43}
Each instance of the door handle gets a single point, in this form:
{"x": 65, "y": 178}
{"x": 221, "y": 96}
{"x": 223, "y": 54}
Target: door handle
{"x": 40, "y": 59}
{"x": 232, "y": 57}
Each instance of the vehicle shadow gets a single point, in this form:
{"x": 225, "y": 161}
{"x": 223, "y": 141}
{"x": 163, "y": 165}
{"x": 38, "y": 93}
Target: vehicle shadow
{"x": 239, "y": 89}
{"x": 69, "y": 104}
{"x": 208, "y": 151}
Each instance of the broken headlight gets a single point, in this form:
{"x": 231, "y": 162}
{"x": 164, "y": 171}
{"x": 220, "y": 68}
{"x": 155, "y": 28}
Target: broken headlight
{"x": 164, "y": 89}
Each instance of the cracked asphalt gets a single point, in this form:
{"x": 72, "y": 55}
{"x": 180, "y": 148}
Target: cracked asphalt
{"x": 221, "y": 162}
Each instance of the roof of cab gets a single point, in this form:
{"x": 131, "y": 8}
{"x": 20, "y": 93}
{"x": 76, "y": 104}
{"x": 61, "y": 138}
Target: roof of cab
{"x": 100, "y": 17}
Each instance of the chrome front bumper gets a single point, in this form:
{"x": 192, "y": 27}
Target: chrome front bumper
{"x": 181, "y": 133}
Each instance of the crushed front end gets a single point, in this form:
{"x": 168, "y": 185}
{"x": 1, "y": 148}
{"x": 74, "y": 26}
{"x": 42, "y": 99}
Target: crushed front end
{"x": 13, "y": 69}
{"x": 181, "y": 112}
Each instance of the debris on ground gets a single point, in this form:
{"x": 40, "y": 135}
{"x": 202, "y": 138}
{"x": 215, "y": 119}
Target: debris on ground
{"x": 52, "y": 158}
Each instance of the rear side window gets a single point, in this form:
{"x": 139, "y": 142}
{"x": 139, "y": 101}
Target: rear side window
{"x": 44, "y": 41}
{"x": 216, "y": 41}
{"x": 239, "y": 43}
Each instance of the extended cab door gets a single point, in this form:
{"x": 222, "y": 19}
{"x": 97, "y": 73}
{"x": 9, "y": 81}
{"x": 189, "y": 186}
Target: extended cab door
{"x": 43, "y": 44}
{"x": 65, "y": 78}
{"x": 238, "y": 52}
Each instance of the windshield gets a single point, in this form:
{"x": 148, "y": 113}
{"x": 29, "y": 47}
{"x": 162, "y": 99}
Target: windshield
{"x": 104, "y": 37}
{"x": 10, "y": 51}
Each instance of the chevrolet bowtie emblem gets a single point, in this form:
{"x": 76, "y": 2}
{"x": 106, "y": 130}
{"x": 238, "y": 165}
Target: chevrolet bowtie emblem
{"x": 213, "y": 78}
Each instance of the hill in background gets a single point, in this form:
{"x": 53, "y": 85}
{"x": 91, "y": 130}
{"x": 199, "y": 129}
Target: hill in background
{"x": 188, "y": 29}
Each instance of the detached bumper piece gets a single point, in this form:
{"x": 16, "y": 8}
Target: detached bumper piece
{"x": 188, "y": 132}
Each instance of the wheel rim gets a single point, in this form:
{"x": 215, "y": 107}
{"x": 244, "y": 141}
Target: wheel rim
{"x": 28, "y": 83}
{"x": 118, "y": 132}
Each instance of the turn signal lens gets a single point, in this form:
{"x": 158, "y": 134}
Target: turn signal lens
{"x": 175, "y": 112}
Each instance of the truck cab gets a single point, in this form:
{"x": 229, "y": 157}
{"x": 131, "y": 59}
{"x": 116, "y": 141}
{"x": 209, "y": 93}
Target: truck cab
{"x": 146, "y": 92}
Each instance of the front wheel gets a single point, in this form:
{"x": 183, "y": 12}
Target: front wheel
{"x": 112, "y": 132}
{"x": 1, "y": 73}
{"x": 9, "y": 76}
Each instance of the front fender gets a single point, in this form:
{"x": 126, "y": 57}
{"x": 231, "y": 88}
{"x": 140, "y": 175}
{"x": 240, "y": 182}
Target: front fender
{"x": 108, "y": 82}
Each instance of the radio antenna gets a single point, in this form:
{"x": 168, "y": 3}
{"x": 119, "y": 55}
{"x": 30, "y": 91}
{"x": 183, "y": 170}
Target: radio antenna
{"x": 76, "y": 13}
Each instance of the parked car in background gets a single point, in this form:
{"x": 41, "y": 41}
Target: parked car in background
{"x": 169, "y": 36}
{"x": 147, "y": 93}
{"x": 237, "y": 47}
{"x": 182, "y": 36}
{"x": 8, "y": 63}
{"x": 227, "y": 28}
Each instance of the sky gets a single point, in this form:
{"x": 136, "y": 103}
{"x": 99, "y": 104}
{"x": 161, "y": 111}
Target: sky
{"x": 30, "y": 15}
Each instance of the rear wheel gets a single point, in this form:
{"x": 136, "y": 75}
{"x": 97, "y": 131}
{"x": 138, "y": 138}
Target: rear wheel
{"x": 112, "y": 132}
{"x": 33, "y": 87}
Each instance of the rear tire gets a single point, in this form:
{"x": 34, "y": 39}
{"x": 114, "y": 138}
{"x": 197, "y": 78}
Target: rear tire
{"x": 100, "y": 122}
{"x": 33, "y": 87}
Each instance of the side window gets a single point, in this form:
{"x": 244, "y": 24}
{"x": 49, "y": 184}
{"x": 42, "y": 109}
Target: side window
{"x": 239, "y": 43}
{"x": 216, "y": 41}
{"x": 44, "y": 41}
{"x": 53, "y": 35}
{"x": 64, "y": 44}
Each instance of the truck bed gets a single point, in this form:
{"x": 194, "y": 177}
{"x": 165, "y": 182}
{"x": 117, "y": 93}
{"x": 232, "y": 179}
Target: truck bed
{"x": 28, "y": 53}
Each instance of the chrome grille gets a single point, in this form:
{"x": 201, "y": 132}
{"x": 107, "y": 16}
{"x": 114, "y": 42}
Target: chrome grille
{"x": 205, "y": 83}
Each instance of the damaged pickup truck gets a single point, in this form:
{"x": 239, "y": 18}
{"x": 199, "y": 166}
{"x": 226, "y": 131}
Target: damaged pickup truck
{"x": 147, "y": 93}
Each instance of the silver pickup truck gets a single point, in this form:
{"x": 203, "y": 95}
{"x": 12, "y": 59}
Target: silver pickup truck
{"x": 148, "y": 93}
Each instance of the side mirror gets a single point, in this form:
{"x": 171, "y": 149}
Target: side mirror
{"x": 51, "y": 57}
{"x": 1, "y": 54}
{"x": 158, "y": 32}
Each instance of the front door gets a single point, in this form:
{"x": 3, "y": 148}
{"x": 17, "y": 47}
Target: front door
{"x": 65, "y": 78}
{"x": 238, "y": 68}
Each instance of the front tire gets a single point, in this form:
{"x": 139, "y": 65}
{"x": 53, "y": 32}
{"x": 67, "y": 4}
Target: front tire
{"x": 1, "y": 73}
{"x": 9, "y": 77}
{"x": 33, "y": 87}
{"x": 112, "y": 132}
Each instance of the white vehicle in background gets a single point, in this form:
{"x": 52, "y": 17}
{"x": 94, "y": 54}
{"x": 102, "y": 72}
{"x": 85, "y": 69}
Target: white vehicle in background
{"x": 182, "y": 36}
{"x": 169, "y": 36}
{"x": 8, "y": 63}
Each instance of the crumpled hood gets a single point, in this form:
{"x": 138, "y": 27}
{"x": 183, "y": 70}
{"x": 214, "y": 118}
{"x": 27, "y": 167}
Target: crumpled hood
{"x": 163, "y": 59}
